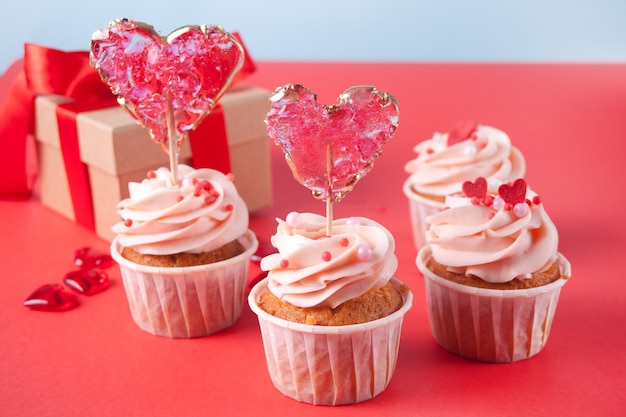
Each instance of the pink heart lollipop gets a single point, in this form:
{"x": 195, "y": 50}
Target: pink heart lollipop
{"x": 330, "y": 147}
{"x": 166, "y": 80}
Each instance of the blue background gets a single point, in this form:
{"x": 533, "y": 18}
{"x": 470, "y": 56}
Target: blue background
{"x": 362, "y": 30}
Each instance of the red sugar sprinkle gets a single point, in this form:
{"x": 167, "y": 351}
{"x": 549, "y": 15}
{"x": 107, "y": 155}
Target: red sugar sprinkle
{"x": 475, "y": 201}
{"x": 488, "y": 201}
{"x": 482, "y": 145}
{"x": 284, "y": 263}
{"x": 536, "y": 200}
{"x": 508, "y": 206}
{"x": 229, "y": 207}
{"x": 197, "y": 192}
{"x": 429, "y": 151}
{"x": 343, "y": 241}
{"x": 128, "y": 222}
{"x": 180, "y": 198}
{"x": 151, "y": 174}
{"x": 491, "y": 214}
{"x": 326, "y": 256}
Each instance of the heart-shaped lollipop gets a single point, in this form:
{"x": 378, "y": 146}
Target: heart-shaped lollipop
{"x": 330, "y": 147}
{"x": 162, "y": 81}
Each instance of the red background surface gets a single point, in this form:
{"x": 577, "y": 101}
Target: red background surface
{"x": 569, "y": 121}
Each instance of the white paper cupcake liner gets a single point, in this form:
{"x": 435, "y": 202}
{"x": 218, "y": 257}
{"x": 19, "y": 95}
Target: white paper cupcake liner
{"x": 330, "y": 365}
{"x": 490, "y": 325}
{"x": 190, "y": 301}
{"x": 419, "y": 208}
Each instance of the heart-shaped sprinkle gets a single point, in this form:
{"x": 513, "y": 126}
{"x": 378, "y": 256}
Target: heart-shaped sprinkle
{"x": 51, "y": 297}
{"x": 461, "y": 131}
{"x": 183, "y": 74}
{"x": 87, "y": 282}
{"x": 330, "y": 147}
{"x": 515, "y": 193}
{"x": 477, "y": 189}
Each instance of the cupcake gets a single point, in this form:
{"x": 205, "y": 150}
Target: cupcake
{"x": 493, "y": 273}
{"x": 330, "y": 310}
{"x": 447, "y": 160}
{"x": 184, "y": 252}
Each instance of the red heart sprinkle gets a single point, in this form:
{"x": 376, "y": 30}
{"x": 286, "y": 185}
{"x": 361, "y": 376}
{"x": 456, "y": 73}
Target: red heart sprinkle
{"x": 330, "y": 147}
{"x": 477, "y": 189}
{"x": 513, "y": 194}
{"x": 51, "y": 297}
{"x": 462, "y": 130}
{"x": 87, "y": 282}
{"x": 183, "y": 74}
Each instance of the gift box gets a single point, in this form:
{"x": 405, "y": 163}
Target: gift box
{"x": 115, "y": 150}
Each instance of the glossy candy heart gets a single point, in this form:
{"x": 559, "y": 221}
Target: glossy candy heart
{"x": 87, "y": 282}
{"x": 330, "y": 147}
{"x": 85, "y": 258}
{"x": 51, "y": 297}
{"x": 515, "y": 193}
{"x": 183, "y": 74}
{"x": 477, "y": 189}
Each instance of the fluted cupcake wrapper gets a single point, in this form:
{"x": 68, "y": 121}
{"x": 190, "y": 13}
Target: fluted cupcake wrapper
{"x": 490, "y": 325}
{"x": 330, "y": 365}
{"x": 190, "y": 301}
{"x": 420, "y": 208}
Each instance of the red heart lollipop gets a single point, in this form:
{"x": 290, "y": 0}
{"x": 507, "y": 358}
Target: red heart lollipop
{"x": 155, "y": 78}
{"x": 330, "y": 147}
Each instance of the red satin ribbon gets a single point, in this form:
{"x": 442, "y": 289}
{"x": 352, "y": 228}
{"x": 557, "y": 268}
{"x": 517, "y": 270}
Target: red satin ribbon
{"x": 209, "y": 142}
{"x": 44, "y": 71}
{"x": 15, "y": 124}
{"x": 77, "y": 171}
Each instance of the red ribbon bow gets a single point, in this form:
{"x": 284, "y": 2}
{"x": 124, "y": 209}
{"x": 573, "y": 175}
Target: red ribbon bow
{"x": 49, "y": 71}
{"x": 42, "y": 71}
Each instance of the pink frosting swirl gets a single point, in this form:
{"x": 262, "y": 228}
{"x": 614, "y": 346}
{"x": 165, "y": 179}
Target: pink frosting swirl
{"x": 200, "y": 214}
{"x": 312, "y": 269}
{"x": 495, "y": 243}
{"x": 440, "y": 170}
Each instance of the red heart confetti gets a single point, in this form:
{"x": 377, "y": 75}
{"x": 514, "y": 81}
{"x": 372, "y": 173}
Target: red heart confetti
{"x": 461, "y": 131}
{"x": 87, "y": 282}
{"x": 51, "y": 297}
{"x": 515, "y": 193}
{"x": 182, "y": 75}
{"x": 477, "y": 189}
{"x": 330, "y": 147}
{"x": 87, "y": 259}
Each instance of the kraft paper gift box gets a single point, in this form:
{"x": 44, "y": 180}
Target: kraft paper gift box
{"x": 117, "y": 150}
